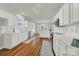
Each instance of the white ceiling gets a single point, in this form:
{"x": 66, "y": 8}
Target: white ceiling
{"x": 37, "y": 12}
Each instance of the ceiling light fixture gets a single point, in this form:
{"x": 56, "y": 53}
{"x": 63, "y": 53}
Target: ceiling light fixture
{"x": 37, "y": 8}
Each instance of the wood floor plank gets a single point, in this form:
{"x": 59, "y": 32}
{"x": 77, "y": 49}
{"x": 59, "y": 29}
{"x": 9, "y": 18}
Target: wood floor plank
{"x": 24, "y": 49}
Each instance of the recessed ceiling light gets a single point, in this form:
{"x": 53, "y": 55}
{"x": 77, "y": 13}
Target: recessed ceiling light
{"x": 35, "y": 10}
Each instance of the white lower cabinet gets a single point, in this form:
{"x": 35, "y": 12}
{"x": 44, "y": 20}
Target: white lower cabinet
{"x": 10, "y": 40}
{"x": 61, "y": 47}
{"x": 72, "y": 51}
{"x": 1, "y": 40}
{"x": 55, "y": 45}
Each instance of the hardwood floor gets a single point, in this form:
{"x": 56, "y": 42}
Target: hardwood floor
{"x": 24, "y": 49}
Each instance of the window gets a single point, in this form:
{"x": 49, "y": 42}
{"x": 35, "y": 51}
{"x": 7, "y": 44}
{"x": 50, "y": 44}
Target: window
{"x": 44, "y": 27}
{"x": 20, "y": 21}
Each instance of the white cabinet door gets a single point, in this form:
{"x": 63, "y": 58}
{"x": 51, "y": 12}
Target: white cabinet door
{"x": 60, "y": 16}
{"x": 1, "y": 40}
{"x": 72, "y": 52}
{"x": 62, "y": 48}
{"x": 55, "y": 44}
{"x": 66, "y": 14}
{"x": 75, "y": 12}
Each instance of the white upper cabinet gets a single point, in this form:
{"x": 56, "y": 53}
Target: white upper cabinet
{"x": 64, "y": 19}
{"x": 60, "y": 16}
{"x": 66, "y": 14}
{"x": 74, "y": 12}
{"x": 69, "y": 13}
{"x": 63, "y": 15}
